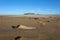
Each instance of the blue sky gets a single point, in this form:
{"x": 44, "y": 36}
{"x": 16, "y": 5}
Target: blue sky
{"x": 16, "y": 7}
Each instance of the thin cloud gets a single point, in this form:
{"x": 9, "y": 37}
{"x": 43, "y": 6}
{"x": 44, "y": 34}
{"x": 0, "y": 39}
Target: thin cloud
{"x": 47, "y": 11}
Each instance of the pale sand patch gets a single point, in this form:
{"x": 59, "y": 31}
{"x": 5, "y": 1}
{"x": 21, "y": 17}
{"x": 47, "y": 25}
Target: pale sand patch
{"x": 25, "y": 27}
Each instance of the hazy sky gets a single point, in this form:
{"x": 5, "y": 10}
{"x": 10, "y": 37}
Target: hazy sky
{"x": 33, "y": 6}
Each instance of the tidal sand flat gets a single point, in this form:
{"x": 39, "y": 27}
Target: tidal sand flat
{"x": 47, "y": 27}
